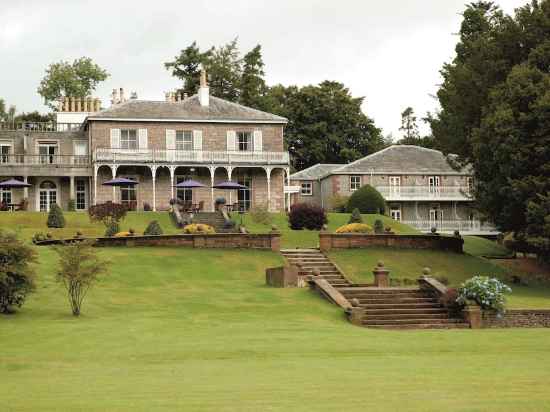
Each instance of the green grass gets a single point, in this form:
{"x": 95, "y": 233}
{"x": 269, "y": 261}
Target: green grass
{"x": 478, "y": 246}
{"x": 456, "y": 268}
{"x": 174, "y": 329}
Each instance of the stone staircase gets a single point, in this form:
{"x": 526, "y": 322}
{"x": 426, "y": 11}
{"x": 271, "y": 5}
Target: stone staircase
{"x": 400, "y": 308}
{"x": 386, "y": 308}
{"x": 311, "y": 259}
{"x": 214, "y": 219}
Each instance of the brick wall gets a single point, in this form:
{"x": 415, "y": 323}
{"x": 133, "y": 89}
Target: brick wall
{"x": 520, "y": 318}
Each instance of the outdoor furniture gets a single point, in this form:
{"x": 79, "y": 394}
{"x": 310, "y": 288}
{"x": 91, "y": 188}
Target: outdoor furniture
{"x": 229, "y": 185}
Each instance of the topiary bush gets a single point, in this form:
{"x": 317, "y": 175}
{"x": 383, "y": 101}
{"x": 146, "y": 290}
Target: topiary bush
{"x": 55, "y": 216}
{"x": 378, "y": 226}
{"x": 354, "y": 228}
{"x": 355, "y": 216}
{"x": 198, "y": 228}
{"x": 16, "y": 274}
{"x": 306, "y": 215}
{"x": 368, "y": 200}
{"x": 153, "y": 229}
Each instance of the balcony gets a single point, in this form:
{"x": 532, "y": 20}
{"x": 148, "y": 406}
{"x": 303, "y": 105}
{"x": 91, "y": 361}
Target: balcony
{"x": 44, "y": 160}
{"x": 184, "y": 156}
{"x": 40, "y": 126}
{"x": 465, "y": 227}
{"x": 396, "y": 193}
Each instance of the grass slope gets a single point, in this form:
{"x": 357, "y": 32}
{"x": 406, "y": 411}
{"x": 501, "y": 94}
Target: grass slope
{"x": 174, "y": 329}
{"x": 478, "y": 246}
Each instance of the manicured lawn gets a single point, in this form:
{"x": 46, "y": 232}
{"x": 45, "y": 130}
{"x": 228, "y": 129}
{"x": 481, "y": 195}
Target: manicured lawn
{"x": 478, "y": 246}
{"x": 179, "y": 329}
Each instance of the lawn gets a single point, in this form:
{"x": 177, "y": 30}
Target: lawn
{"x": 174, "y": 329}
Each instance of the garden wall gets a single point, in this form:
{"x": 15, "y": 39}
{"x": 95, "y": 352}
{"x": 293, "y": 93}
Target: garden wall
{"x": 270, "y": 241}
{"x": 328, "y": 241}
{"x": 519, "y": 318}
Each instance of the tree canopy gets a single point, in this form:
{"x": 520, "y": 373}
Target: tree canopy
{"x": 77, "y": 79}
{"x": 495, "y": 106}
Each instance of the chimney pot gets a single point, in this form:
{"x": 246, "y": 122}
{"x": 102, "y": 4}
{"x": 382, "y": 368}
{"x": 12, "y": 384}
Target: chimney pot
{"x": 204, "y": 91}
{"x": 122, "y": 95}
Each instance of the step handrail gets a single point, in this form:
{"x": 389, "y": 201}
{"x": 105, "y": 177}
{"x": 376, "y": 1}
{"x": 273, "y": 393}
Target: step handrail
{"x": 331, "y": 293}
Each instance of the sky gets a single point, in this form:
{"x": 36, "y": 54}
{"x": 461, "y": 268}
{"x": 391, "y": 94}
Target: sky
{"x": 388, "y": 51}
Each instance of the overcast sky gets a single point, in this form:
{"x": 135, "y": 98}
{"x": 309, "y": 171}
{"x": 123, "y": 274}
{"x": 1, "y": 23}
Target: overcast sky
{"x": 388, "y": 51}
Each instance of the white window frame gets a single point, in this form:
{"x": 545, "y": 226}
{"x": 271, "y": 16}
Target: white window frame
{"x": 187, "y": 192}
{"x": 129, "y": 139}
{"x": 80, "y": 191}
{"x": 395, "y": 213}
{"x": 245, "y": 142}
{"x": 434, "y": 184}
{"x": 49, "y": 157}
{"x": 354, "y": 185}
{"x": 6, "y": 196}
{"x": 5, "y": 157}
{"x": 184, "y": 140}
{"x": 308, "y": 186}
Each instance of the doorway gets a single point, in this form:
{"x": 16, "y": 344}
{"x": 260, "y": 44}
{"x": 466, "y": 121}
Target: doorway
{"x": 47, "y": 195}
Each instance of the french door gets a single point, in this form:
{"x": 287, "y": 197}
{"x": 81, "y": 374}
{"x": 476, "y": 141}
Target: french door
{"x": 47, "y": 195}
{"x": 433, "y": 183}
{"x": 395, "y": 213}
{"x": 395, "y": 185}
{"x": 47, "y": 153}
{"x": 245, "y": 195}
{"x": 436, "y": 216}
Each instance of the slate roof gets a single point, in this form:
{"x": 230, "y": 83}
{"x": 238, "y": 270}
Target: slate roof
{"x": 314, "y": 172}
{"x": 403, "y": 159}
{"x": 218, "y": 110}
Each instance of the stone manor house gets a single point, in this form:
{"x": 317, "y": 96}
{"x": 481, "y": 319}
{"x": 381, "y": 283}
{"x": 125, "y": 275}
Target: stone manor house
{"x": 156, "y": 143}
{"x": 420, "y": 186}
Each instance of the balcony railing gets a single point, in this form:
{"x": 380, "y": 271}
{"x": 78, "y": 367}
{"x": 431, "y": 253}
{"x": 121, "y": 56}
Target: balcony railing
{"x": 393, "y": 193}
{"x": 40, "y": 126}
{"x": 44, "y": 160}
{"x": 185, "y": 156}
{"x": 449, "y": 226}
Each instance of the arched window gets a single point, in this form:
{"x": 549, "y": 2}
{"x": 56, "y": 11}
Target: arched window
{"x": 47, "y": 184}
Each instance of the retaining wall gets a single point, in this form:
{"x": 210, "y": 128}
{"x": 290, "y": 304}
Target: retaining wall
{"x": 518, "y": 318}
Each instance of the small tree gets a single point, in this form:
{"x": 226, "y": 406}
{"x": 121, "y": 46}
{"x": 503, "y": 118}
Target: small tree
{"x": 80, "y": 267}
{"x": 110, "y": 214}
{"x": 55, "y": 216}
{"x": 308, "y": 216}
{"x": 368, "y": 200}
{"x": 153, "y": 228}
{"x": 378, "y": 226}
{"x": 355, "y": 216}
{"x": 16, "y": 274}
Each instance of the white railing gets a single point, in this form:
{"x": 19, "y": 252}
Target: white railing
{"x": 43, "y": 160}
{"x": 449, "y": 226}
{"x": 188, "y": 156}
{"x": 392, "y": 193}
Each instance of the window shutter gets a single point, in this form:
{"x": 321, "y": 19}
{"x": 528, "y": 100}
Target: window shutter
{"x": 170, "y": 139}
{"x": 115, "y": 138}
{"x": 231, "y": 140}
{"x": 197, "y": 139}
{"x": 142, "y": 138}
{"x": 258, "y": 141}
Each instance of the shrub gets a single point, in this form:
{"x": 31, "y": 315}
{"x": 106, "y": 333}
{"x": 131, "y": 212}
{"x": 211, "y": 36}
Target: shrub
{"x": 487, "y": 292}
{"x": 16, "y": 274}
{"x": 368, "y": 200}
{"x": 517, "y": 243}
{"x": 355, "y": 216}
{"x": 122, "y": 234}
{"x": 306, "y": 215}
{"x": 107, "y": 213}
{"x": 147, "y": 207}
{"x": 71, "y": 206}
{"x": 378, "y": 226}
{"x": 38, "y": 237}
{"x": 260, "y": 214}
{"x": 112, "y": 229}
{"x": 131, "y": 231}
{"x": 80, "y": 267}
{"x": 55, "y": 217}
{"x": 153, "y": 228}
{"x": 198, "y": 228}
{"x": 338, "y": 203}
{"x": 433, "y": 230}
{"x": 354, "y": 228}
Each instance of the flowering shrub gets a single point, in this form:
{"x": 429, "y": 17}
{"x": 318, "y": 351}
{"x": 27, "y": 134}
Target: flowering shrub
{"x": 122, "y": 234}
{"x": 355, "y": 228}
{"x": 487, "y": 292}
{"x": 198, "y": 228}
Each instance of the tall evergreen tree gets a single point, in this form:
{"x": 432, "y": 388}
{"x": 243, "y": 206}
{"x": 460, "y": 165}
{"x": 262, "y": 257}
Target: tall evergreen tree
{"x": 409, "y": 127}
{"x": 224, "y": 68}
{"x": 187, "y": 66}
{"x": 253, "y": 87}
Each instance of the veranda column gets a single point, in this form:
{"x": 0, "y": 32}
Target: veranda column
{"x": 113, "y": 170}
{"x": 95, "y": 185}
{"x": 287, "y": 171}
{"x": 268, "y": 174}
{"x": 229, "y": 172}
{"x": 212, "y": 173}
{"x": 172, "y": 173}
{"x": 25, "y": 189}
{"x": 71, "y": 188}
{"x": 154, "y": 177}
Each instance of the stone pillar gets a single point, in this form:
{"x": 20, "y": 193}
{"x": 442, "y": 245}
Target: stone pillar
{"x": 154, "y": 177}
{"x": 275, "y": 240}
{"x": 472, "y": 314}
{"x": 71, "y": 188}
{"x": 25, "y": 189}
{"x": 381, "y": 276}
{"x": 72, "y": 102}
{"x": 355, "y": 316}
{"x": 325, "y": 240}
{"x": 212, "y": 173}
{"x": 78, "y": 104}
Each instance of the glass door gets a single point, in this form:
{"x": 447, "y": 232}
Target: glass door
{"x": 47, "y": 153}
{"x": 395, "y": 213}
{"x": 395, "y": 185}
{"x": 47, "y": 195}
{"x": 245, "y": 195}
{"x": 433, "y": 183}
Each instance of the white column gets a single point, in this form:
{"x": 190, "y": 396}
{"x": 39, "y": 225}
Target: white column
{"x": 172, "y": 173}
{"x": 113, "y": 171}
{"x": 71, "y": 188}
{"x": 268, "y": 174}
{"x": 212, "y": 173}
{"x": 25, "y": 189}
{"x": 287, "y": 171}
{"x": 95, "y": 185}
{"x": 154, "y": 177}
{"x": 229, "y": 172}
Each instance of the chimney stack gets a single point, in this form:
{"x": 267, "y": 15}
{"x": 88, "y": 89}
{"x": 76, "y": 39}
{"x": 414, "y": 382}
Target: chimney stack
{"x": 114, "y": 97}
{"x": 204, "y": 91}
{"x": 122, "y": 99}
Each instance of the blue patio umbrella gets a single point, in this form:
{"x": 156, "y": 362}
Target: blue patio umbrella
{"x": 13, "y": 184}
{"x": 229, "y": 185}
{"x": 120, "y": 182}
{"x": 189, "y": 184}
